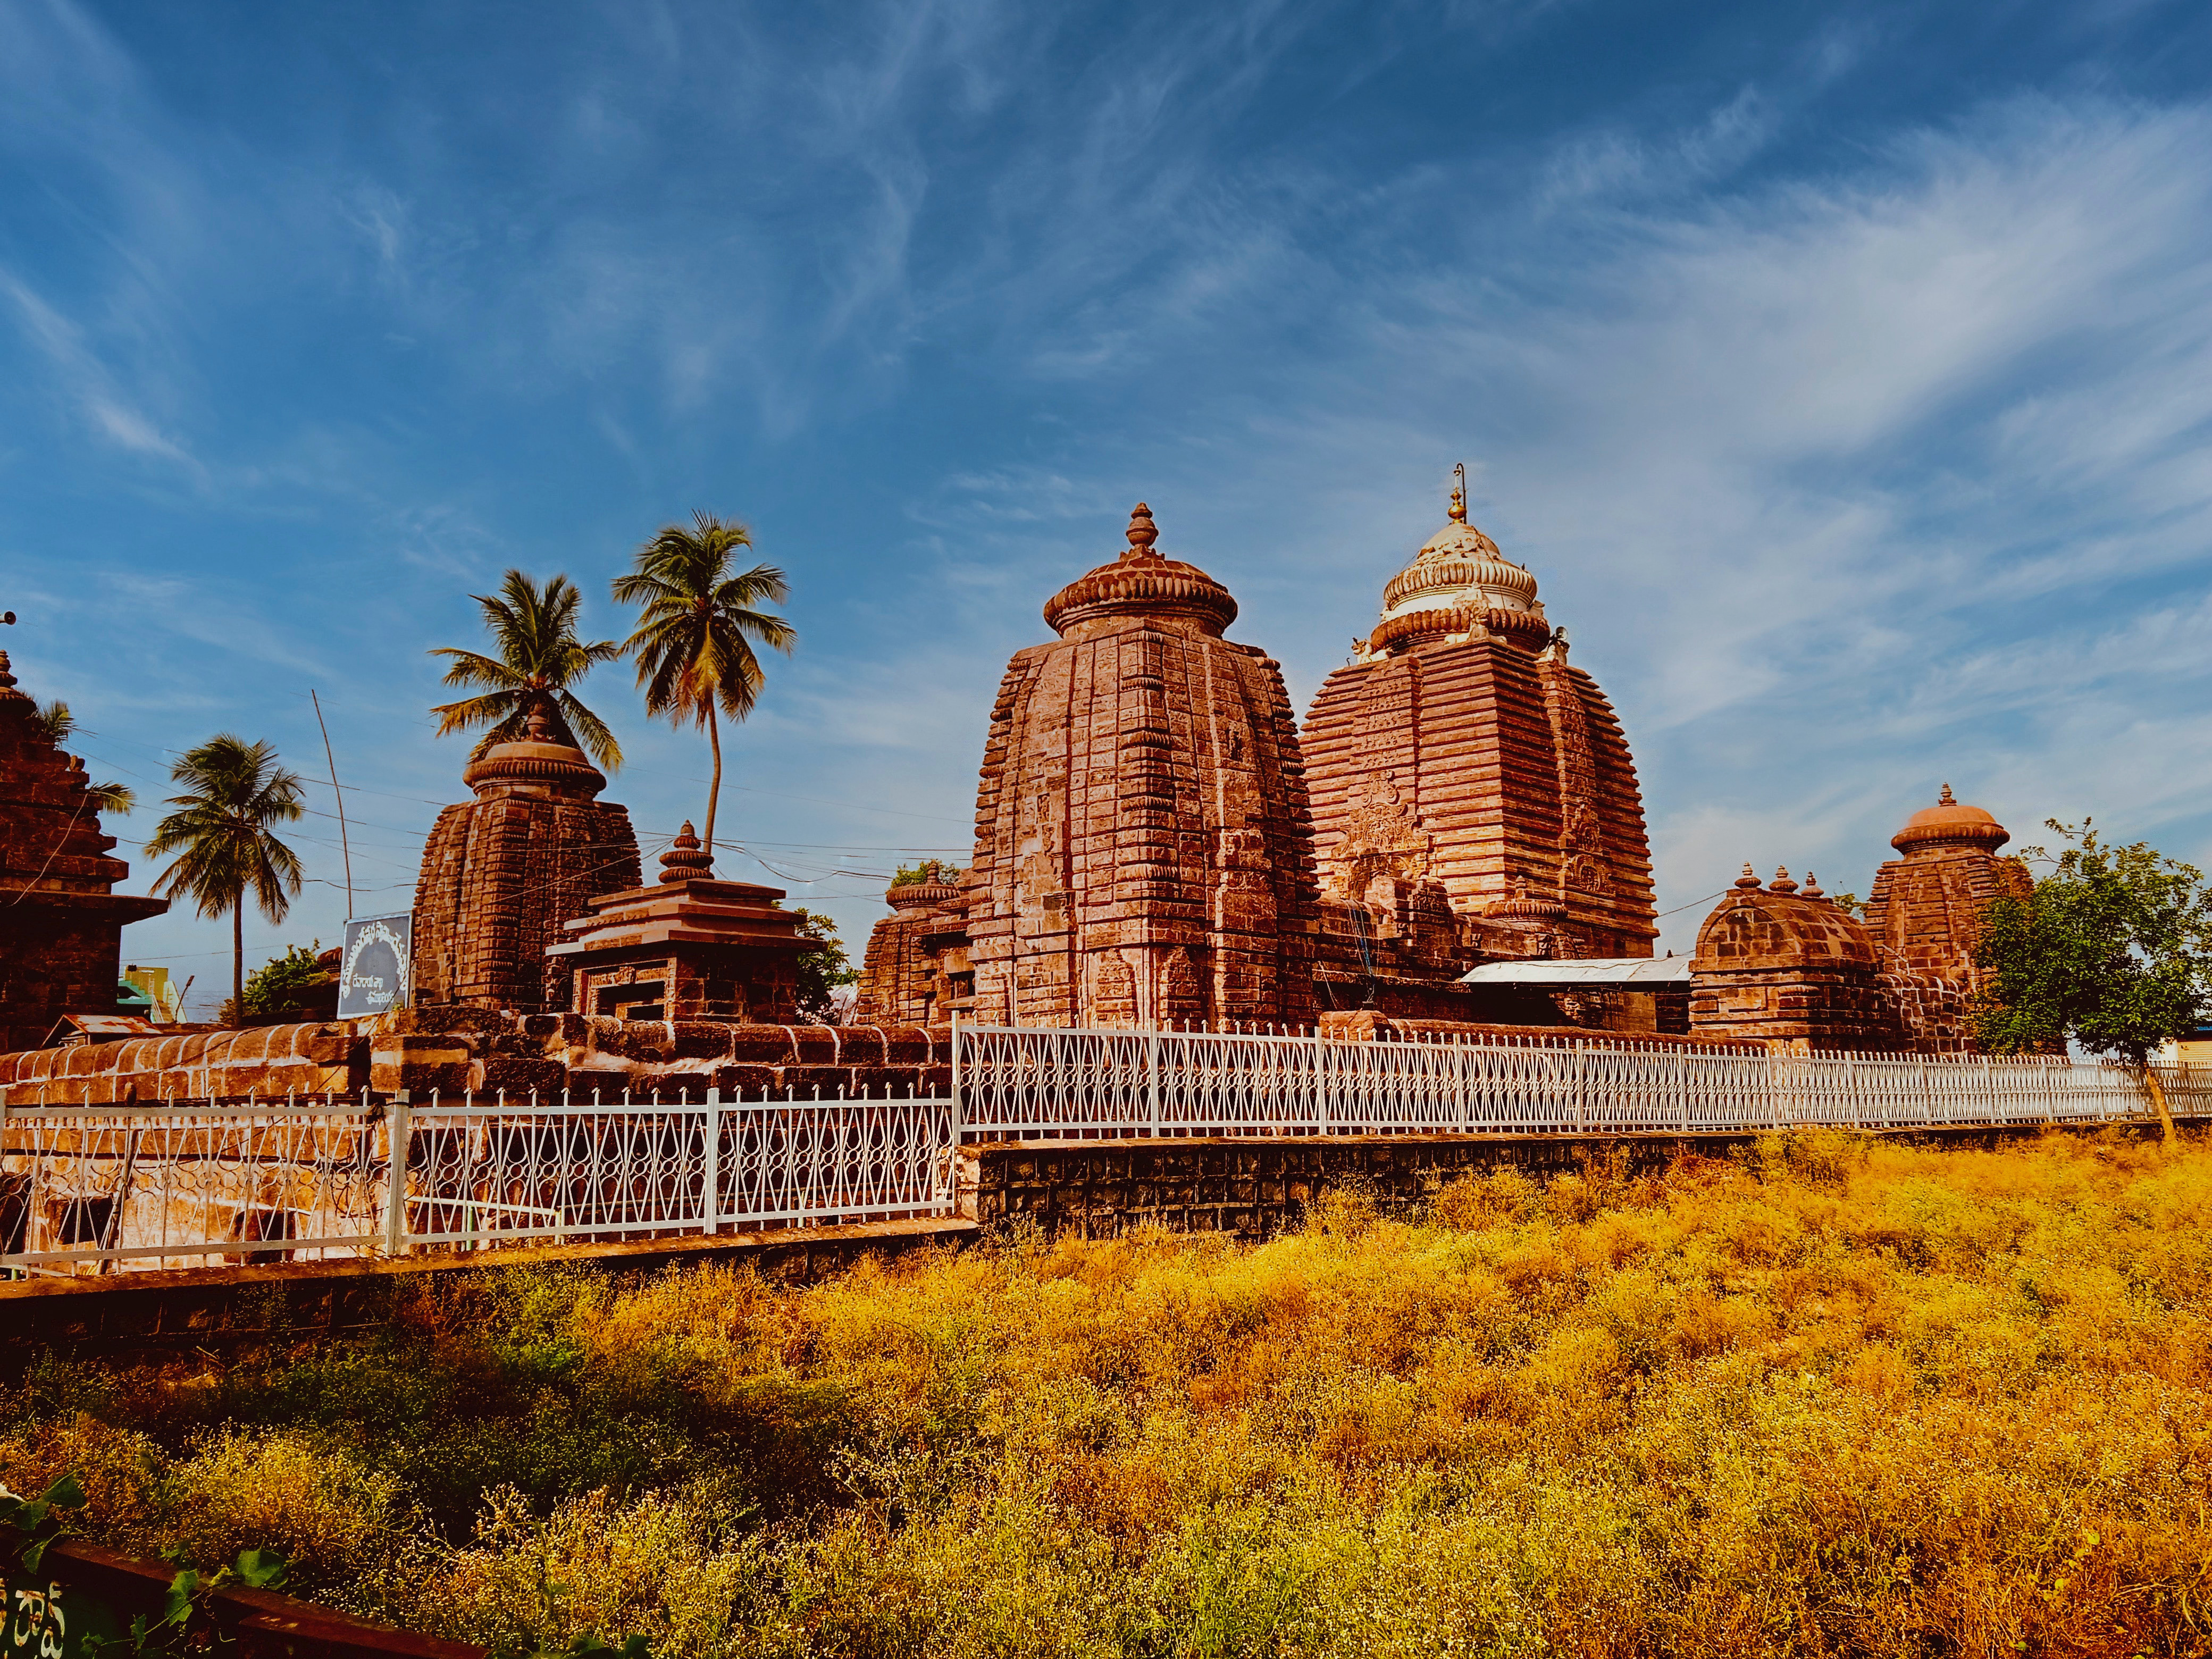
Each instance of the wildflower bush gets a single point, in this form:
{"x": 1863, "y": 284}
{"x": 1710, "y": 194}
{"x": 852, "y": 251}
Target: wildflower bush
{"x": 1840, "y": 1397}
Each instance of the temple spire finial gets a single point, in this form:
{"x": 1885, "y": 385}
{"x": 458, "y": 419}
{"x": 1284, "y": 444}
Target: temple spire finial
{"x": 1142, "y": 531}
{"x": 1459, "y": 494}
{"x": 1947, "y": 800}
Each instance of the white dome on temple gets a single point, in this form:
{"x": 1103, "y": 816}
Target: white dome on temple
{"x": 1459, "y": 566}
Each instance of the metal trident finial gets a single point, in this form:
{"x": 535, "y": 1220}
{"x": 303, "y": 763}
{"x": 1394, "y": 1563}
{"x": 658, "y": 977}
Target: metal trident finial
{"x": 1459, "y": 494}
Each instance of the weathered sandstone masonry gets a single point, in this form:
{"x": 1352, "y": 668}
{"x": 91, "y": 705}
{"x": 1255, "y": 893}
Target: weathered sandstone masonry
{"x": 917, "y": 969}
{"x": 1142, "y": 849}
{"x": 1925, "y": 917}
{"x": 502, "y": 873}
{"x": 456, "y": 1048}
{"x": 61, "y": 920}
{"x": 1786, "y": 965}
{"x": 1460, "y": 749}
{"x": 689, "y": 947}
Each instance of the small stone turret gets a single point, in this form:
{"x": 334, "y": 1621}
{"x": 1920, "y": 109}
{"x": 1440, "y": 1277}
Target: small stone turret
{"x": 1925, "y": 916}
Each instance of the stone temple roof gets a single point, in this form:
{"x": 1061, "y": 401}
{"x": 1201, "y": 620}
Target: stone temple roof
{"x": 1460, "y": 567}
{"x": 1950, "y": 823}
{"x": 1143, "y": 582}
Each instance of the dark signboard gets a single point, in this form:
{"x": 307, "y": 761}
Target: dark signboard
{"x": 374, "y": 973}
{"x": 48, "y": 1620}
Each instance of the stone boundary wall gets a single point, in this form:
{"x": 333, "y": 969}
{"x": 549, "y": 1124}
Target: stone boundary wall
{"x": 264, "y": 1059}
{"x": 452, "y": 1049}
{"x": 176, "y": 1310}
{"x": 1256, "y": 1187}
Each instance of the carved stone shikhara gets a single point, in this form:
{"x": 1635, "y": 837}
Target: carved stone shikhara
{"x": 1459, "y": 748}
{"x": 1925, "y": 917}
{"x": 61, "y": 945}
{"x": 502, "y": 875}
{"x": 1143, "y": 846}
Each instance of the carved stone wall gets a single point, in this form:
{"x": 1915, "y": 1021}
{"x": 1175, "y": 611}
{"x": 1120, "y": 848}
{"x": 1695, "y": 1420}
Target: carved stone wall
{"x": 1143, "y": 845}
{"x": 502, "y": 873}
{"x": 1459, "y": 746}
{"x": 61, "y": 922}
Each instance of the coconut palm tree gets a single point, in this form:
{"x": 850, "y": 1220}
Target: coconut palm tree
{"x": 694, "y": 628}
{"x": 234, "y": 792}
{"x": 534, "y": 631}
{"x": 54, "y": 722}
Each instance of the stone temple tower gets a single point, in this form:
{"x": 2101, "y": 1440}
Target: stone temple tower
{"x": 1143, "y": 851}
{"x": 501, "y": 874}
{"x": 1459, "y": 747}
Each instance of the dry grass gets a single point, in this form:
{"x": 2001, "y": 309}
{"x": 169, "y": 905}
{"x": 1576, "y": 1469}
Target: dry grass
{"x": 1844, "y": 1397}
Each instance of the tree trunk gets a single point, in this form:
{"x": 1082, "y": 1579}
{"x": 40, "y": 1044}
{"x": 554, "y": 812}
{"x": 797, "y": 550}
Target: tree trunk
{"x": 714, "y": 788}
{"x": 238, "y": 963}
{"x": 2158, "y": 1099}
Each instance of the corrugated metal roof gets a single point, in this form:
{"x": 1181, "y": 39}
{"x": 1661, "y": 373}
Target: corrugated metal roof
{"x": 1646, "y": 971}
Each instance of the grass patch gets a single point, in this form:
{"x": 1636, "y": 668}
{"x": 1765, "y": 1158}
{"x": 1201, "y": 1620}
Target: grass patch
{"x": 1841, "y": 1397}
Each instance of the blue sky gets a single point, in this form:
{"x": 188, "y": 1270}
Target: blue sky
{"x": 1845, "y": 376}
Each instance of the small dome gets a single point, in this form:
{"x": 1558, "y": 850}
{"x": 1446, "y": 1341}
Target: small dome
{"x": 1950, "y": 823}
{"x": 1459, "y": 567}
{"x": 1142, "y": 582}
{"x": 1779, "y": 926}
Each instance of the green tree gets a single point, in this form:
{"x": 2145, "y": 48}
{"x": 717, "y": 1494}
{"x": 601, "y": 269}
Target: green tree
{"x": 533, "y": 631}
{"x": 53, "y": 721}
{"x": 222, "y": 834}
{"x": 927, "y": 872}
{"x": 282, "y": 984}
{"x": 823, "y": 967}
{"x": 695, "y": 628}
{"x": 2112, "y": 950}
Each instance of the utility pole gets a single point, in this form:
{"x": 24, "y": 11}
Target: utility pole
{"x": 345, "y": 848}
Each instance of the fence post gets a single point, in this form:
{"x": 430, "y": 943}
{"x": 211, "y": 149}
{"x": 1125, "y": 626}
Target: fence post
{"x": 1459, "y": 1081}
{"x": 1582, "y": 1085}
{"x": 713, "y": 1183}
{"x": 397, "y": 1136}
{"x": 1152, "y": 1068}
{"x": 1321, "y": 1082}
{"x": 956, "y": 1077}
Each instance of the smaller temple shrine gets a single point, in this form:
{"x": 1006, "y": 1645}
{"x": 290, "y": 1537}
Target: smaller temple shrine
{"x": 917, "y": 971}
{"x": 504, "y": 873}
{"x": 1785, "y": 964}
{"x": 1925, "y": 916}
{"x": 61, "y": 952}
{"x": 689, "y": 947}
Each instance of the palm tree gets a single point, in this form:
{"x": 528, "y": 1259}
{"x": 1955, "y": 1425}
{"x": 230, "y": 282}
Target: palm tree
{"x": 695, "y": 626}
{"x": 54, "y": 722}
{"x": 539, "y": 659}
{"x": 234, "y": 792}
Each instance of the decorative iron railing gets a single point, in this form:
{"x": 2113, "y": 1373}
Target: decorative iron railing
{"x": 96, "y": 1187}
{"x": 1028, "y": 1082}
{"x": 93, "y": 1188}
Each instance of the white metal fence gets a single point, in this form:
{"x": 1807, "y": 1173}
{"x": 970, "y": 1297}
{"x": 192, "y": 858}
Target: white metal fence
{"x": 96, "y": 1187}
{"x": 93, "y": 1188}
{"x": 1035, "y": 1081}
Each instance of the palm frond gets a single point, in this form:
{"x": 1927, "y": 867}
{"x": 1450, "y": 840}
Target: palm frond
{"x": 118, "y": 798}
{"x": 584, "y": 724}
{"x": 221, "y": 834}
